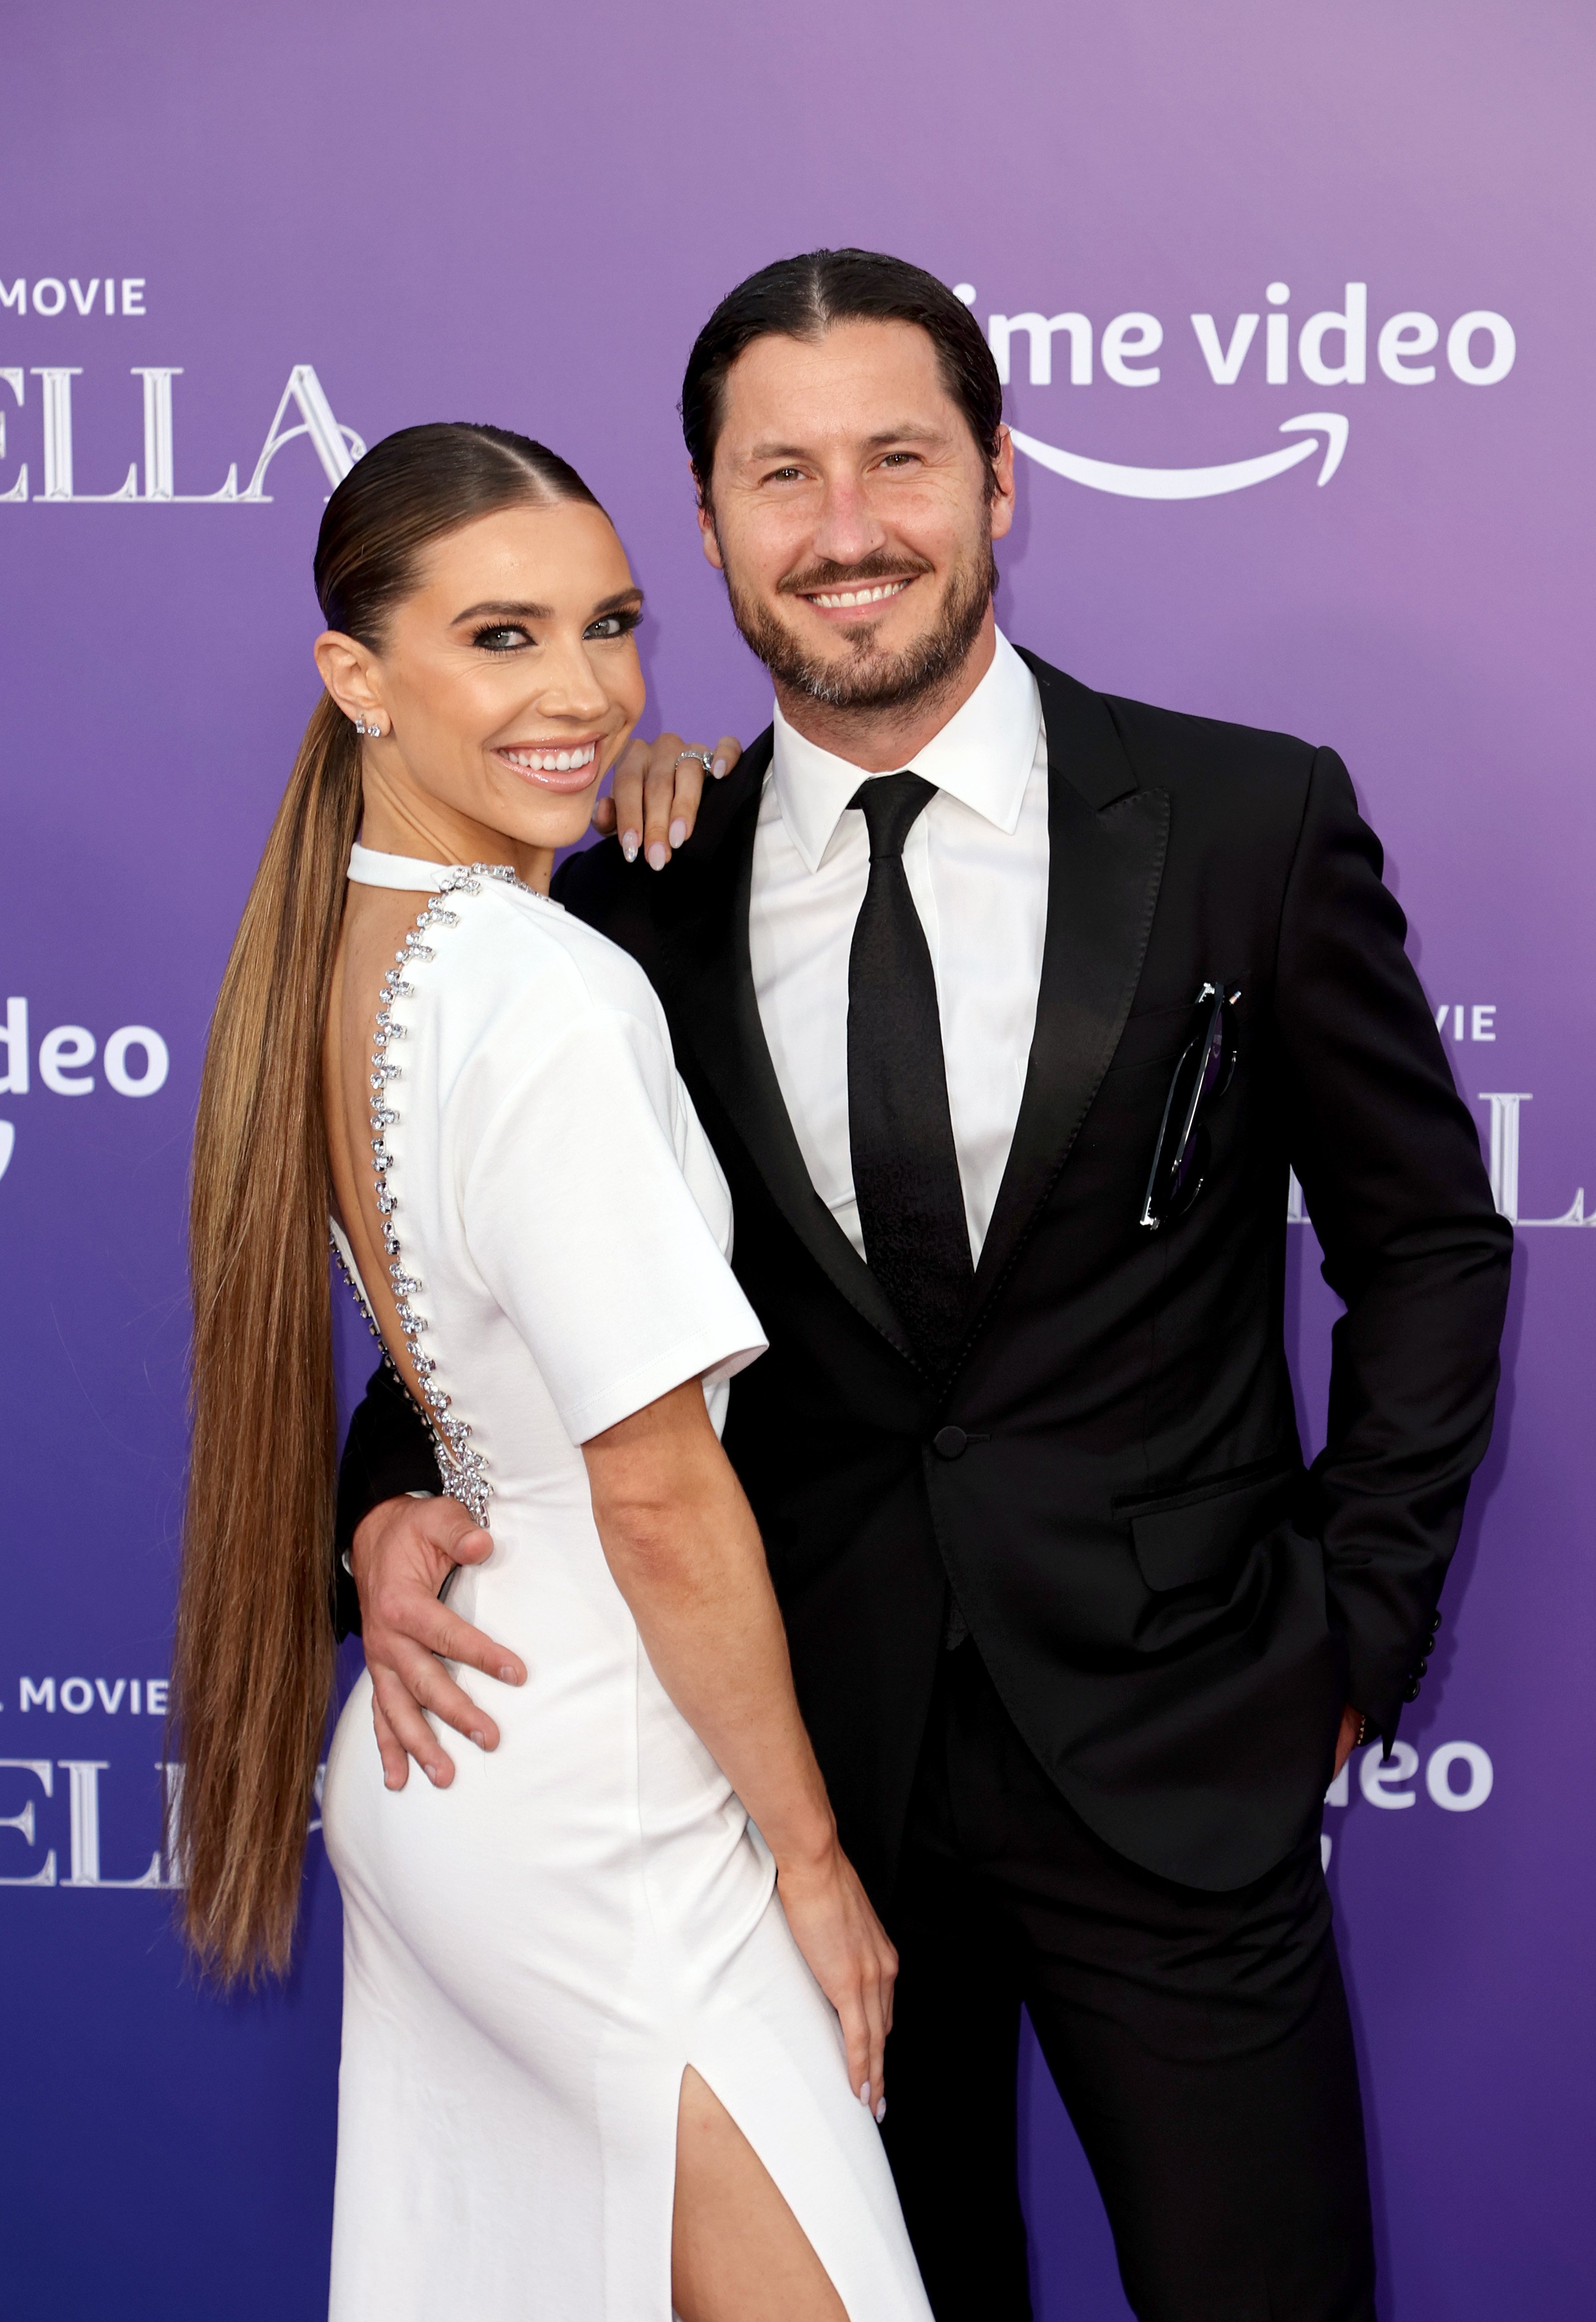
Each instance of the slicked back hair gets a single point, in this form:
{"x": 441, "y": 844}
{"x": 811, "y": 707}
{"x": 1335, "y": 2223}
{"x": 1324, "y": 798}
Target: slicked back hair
{"x": 801, "y": 298}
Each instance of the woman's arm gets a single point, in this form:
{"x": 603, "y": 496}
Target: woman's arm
{"x": 682, "y": 1543}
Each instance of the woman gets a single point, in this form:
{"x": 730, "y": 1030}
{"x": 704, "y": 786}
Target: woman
{"x": 589, "y": 2065}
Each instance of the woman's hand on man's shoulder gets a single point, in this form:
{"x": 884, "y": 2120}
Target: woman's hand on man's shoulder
{"x": 655, "y": 791}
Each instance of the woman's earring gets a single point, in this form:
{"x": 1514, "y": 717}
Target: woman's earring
{"x": 373, "y": 731}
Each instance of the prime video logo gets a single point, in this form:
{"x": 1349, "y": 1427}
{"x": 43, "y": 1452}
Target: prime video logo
{"x": 1332, "y": 349}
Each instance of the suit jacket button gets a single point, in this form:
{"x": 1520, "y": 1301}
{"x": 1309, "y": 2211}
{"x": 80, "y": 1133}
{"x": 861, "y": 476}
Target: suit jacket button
{"x": 948, "y": 1442}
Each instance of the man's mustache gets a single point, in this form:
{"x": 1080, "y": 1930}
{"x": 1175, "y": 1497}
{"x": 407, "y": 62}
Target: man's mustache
{"x": 853, "y": 576}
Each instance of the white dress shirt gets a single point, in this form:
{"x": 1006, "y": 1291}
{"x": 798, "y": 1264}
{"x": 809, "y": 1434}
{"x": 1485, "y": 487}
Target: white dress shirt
{"x": 976, "y": 862}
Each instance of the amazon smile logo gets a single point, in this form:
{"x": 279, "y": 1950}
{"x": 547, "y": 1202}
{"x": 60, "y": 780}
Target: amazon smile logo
{"x": 1331, "y": 349}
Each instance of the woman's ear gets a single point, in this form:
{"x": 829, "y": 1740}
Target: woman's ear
{"x": 348, "y": 672}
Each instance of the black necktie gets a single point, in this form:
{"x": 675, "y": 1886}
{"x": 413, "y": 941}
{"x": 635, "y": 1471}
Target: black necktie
{"x": 906, "y": 1170}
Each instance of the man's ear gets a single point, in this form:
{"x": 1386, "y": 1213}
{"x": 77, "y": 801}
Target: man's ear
{"x": 350, "y": 673}
{"x": 706, "y": 534}
{"x": 1003, "y": 485}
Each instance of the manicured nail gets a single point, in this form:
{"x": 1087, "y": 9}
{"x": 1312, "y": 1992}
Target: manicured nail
{"x": 478, "y": 1737}
{"x": 658, "y": 855}
{"x": 507, "y": 1676}
{"x": 630, "y": 843}
{"x": 391, "y": 1781}
{"x": 864, "y": 2095}
{"x": 880, "y": 2112}
{"x": 435, "y": 1775}
{"x": 719, "y": 770}
{"x": 679, "y": 831}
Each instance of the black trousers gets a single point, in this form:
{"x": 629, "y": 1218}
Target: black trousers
{"x": 1200, "y": 2043}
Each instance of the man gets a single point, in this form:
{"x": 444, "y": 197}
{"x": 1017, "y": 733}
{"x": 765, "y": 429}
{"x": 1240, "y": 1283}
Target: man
{"x": 1006, "y": 1006}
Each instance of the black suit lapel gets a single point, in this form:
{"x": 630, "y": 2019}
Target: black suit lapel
{"x": 1107, "y": 839}
{"x": 703, "y": 929}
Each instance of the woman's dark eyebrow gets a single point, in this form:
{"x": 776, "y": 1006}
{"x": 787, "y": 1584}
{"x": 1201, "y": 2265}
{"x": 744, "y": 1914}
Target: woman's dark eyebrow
{"x": 505, "y": 612}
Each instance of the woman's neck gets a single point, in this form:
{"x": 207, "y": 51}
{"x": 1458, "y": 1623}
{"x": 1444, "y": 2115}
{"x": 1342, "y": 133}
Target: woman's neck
{"x": 435, "y": 833}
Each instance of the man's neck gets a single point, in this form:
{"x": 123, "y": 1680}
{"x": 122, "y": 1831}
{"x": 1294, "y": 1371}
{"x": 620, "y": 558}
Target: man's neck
{"x": 883, "y": 741}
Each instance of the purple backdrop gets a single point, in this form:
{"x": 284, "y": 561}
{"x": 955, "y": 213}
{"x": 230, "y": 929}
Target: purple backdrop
{"x": 522, "y": 214}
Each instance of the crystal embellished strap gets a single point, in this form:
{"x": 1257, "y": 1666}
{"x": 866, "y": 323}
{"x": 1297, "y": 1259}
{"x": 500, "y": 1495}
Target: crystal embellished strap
{"x": 463, "y": 1467}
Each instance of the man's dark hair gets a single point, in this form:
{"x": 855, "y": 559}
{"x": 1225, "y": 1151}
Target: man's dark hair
{"x": 801, "y": 298}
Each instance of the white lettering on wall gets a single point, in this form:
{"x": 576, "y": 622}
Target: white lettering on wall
{"x": 85, "y": 1831}
{"x": 1040, "y": 329}
{"x": 50, "y": 295}
{"x": 336, "y": 446}
{"x": 16, "y": 382}
{"x": 1400, "y": 339}
{"x": 67, "y": 1049}
{"x": 1481, "y": 1774}
{"x": 67, "y": 1045}
{"x": 147, "y": 1693}
{"x": 14, "y": 1039}
{"x": 1225, "y": 362}
{"x": 1385, "y": 1783}
{"x": 44, "y": 1773}
{"x": 1277, "y": 339}
{"x": 1480, "y": 1019}
{"x": 1351, "y": 325}
{"x": 1127, "y": 337}
{"x": 56, "y": 396}
{"x": 1460, "y": 339}
{"x": 156, "y": 1061}
{"x": 1382, "y": 1781}
{"x": 1332, "y": 346}
{"x": 83, "y": 1776}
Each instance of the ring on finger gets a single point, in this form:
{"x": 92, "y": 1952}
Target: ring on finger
{"x": 702, "y": 756}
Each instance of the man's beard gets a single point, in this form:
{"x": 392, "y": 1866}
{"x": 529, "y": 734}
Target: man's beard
{"x": 860, "y": 678}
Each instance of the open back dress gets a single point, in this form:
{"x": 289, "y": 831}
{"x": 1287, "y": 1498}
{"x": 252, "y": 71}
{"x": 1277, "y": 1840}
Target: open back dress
{"x": 535, "y": 1955}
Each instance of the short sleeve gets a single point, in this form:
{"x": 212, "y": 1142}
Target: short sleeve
{"x": 586, "y": 1231}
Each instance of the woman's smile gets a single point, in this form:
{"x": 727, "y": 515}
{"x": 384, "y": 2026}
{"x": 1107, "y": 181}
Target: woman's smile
{"x": 554, "y": 766}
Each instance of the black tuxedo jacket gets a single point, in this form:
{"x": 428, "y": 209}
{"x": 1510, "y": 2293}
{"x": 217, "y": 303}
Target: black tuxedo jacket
{"x": 1172, "y": 1607}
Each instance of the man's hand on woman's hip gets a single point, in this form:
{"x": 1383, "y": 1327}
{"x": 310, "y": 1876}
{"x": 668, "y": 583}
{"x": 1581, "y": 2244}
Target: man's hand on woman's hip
{"x": 401, "y": 1555}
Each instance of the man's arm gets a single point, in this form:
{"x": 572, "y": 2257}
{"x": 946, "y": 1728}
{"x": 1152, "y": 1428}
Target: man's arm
{"x": 1389, "y": 1160}
{"x": 387, "y": 1453}
{"x": 401, "y": 1548}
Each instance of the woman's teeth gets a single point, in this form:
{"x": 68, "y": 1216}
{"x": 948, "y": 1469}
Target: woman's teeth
{"x": 833, "y": 600}
{"x": 552, "y": 761}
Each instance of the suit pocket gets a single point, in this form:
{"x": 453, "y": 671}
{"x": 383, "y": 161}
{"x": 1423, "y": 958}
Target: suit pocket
{"x": 1154, "y": 1038}
{"x": 1183, "y": 1539}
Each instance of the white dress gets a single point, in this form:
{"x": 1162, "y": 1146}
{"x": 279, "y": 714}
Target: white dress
{"x": 535, "y": 1955}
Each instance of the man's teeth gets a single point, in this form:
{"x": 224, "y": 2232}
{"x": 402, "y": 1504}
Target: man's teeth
{"x": 551, "y": 762}
{"x": 841, "y": 596}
